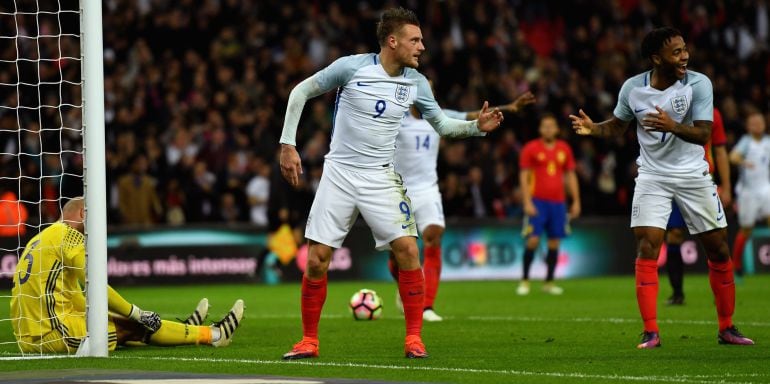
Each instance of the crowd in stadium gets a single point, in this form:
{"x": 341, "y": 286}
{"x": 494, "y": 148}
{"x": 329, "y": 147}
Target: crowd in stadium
{"x": 195, "y": 105}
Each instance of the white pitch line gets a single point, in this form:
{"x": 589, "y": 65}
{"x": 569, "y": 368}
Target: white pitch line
{"x": 612, "y": 320}
{"x": 695, "y": 379}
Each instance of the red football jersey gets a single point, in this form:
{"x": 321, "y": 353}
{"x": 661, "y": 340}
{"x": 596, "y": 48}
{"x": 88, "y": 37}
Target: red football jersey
{"x": 548, "y": 166}
{"x": 718, "y": 137}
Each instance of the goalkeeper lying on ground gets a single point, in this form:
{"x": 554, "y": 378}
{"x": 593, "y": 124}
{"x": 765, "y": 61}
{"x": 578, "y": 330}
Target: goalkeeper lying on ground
{"x": 48, "y": 305}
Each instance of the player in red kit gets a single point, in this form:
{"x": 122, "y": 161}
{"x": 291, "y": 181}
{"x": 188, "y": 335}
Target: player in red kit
{"x": 547, "y": 165}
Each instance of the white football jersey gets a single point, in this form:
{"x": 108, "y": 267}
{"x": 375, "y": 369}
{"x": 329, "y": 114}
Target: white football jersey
{"x": 756, "y": 152}
{"x": 417, "y": 147}
{"x": 369, "y": 108}
{"x": 687, "y": 100}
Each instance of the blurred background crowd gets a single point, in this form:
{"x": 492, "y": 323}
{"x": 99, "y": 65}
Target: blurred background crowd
{"x": 196, "y": 91}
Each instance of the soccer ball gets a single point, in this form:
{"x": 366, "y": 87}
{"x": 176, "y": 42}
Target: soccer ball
{"x": 366, "y": 305}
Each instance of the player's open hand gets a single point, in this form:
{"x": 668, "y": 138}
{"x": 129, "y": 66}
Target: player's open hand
{"x": 658, "y": 121}
{"x": 291, "y": 165}
{"x": 489, "y": 120}
{"x": 522, "y": 101}
{"x": 582, "y": 124}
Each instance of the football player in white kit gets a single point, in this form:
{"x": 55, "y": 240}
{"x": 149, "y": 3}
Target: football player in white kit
{"x": 373, "y": 93}
{"x": 752, "y": 156}
{"x": 673, "y": 107}
{"x": 417, "y": 148}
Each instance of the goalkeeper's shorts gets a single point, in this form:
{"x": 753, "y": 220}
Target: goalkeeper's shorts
{"x": 66, "y": 338}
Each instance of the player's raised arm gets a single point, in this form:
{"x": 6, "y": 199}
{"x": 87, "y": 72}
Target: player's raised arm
{"x": 515, "y": 106}
{"x": 583, "y": 125}
{"x": 487, "y": 121}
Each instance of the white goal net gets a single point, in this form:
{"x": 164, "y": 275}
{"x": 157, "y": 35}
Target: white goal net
{"x": 43, "y": 119}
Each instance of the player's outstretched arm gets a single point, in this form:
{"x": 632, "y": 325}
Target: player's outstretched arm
{"x": 583, "y": 125}
{"x": 488, "y": 119}
{"x": 515, "y": 106}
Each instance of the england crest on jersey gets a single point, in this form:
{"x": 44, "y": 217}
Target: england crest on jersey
{"x": 402, "y": 93}
{"x": 679, "y": 104}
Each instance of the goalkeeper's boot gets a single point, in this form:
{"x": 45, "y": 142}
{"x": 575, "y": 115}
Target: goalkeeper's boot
{"x": 306, "y": 348}
{"x": 229, "y": 324}
{"x": 414, "y": 348}
{"x": 732, "y": 336}
{"x": 199, "y": 315}
{"x": 650, "y": 340}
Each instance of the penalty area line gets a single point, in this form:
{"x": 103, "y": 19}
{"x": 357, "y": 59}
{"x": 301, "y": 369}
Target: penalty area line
{"x": 704, "y": 379}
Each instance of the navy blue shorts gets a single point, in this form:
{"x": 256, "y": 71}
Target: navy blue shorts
{"x": 675, "y": 220}
{"x": 551, "y": 218}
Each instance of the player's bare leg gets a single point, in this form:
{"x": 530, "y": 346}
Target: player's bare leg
{"x": 431, "y": 269}
{"x": 648, "y": 242}
{"x": 722, "y": 284}
{"x": 313, "y": 298}
{"x": 411, "y": 287}
{"x": 529, "y": 255}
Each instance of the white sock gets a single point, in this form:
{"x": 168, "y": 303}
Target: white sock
{"x": 216, "y": 334}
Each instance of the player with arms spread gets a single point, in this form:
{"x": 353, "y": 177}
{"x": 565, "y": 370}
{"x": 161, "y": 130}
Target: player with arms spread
{"x": 374, "y": 91}
{"x": 416, "y": 158}
{"x": 48, "y": 306}
{"x": 673, "y": 107}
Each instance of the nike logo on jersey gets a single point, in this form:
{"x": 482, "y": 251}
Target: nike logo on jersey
{"x": 639, "y": 110}
{"x": 360, "y": 84}
{"x": 405, "y": 226}
{"x": 720, "y": 217}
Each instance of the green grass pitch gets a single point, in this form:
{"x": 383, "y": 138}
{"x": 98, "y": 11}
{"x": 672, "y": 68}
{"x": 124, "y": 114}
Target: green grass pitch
{"x": 489, "y": 335}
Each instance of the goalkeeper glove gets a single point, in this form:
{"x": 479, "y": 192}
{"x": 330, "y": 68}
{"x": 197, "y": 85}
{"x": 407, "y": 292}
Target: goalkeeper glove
{"x": 149, "y": 320}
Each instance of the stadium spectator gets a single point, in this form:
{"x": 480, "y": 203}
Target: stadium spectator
{"x": 258, "y": 192}
{"x": 229, "y": 66}
{"x": 137, "y": 197}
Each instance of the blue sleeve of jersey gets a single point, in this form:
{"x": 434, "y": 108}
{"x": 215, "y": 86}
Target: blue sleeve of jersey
{"x": 338, "y": 73}
{"x": 702, "y": 99}
{"x": 623, "y": 109}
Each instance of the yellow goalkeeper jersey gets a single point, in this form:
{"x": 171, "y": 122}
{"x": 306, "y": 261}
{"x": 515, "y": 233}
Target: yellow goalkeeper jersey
{"x": 46, "y": 290}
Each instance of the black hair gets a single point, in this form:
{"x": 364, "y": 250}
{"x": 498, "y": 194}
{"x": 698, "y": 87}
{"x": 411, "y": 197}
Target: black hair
{"x": 391, "y": 21}
{"x": 656, "y": 39}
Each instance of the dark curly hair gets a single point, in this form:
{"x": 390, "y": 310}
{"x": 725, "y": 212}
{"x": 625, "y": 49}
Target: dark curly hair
{"x": 656, "y": 39}
{"x": 392, "y": 20}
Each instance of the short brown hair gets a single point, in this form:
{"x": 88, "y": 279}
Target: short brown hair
{"x": 392, "y": 20}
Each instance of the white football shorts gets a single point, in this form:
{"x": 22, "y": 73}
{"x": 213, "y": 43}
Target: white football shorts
{"x": 343, "y": 192}
{"x": 427, "y": 207}
{"x": 753, "y": 204}
{"x": 697, "y": 200}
